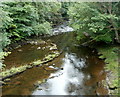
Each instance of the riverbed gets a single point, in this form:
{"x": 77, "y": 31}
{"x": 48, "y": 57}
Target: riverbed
{"x": 79, "y": 70}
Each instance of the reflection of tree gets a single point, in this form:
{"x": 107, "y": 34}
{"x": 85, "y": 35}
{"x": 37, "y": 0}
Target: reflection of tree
{"x": 95, "y": 67}
{"x": 93, "y": 71}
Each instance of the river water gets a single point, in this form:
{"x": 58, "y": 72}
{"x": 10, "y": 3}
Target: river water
{"x": 81, "y": 71}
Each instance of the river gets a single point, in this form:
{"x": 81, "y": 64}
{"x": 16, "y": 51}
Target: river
{"x": 81, "y": 73}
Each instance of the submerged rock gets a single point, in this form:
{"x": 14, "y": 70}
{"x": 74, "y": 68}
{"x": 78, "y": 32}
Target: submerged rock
{"x": 20, "y": 50}
{"x": 36, "y": 84}
{"x": 17, "y": 83}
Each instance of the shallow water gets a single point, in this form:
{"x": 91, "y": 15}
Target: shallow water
{"x": 25, "y": 54}
{"x": 81, "y": 74}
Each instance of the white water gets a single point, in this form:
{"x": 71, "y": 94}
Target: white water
{"x": 62, "y": 29}
{"x": 68, "y": 81}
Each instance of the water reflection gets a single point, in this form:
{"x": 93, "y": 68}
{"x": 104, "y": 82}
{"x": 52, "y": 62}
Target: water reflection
{"x": 68, "y": 81}
{"x": 82, "y": 74}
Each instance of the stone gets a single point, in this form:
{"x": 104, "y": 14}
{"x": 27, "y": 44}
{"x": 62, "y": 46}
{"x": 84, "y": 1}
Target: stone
{"x": 43, "y": 48}
{"x": 41, "y": 42}
{"x": 61, "y": 68}
{"x": 52, "y": 44}
{"x": 53, "y": 47}
{"x": 53, "y": 64}
{"x": 51, "y": 68}
{"x": 19, "y": 50}
{"x": 36, "y": 43}
{"x": 40, "y": 89}
{"x": 38, "y": 48}
{"x": 7, "y": 80}
{"x": 48, "y": 46}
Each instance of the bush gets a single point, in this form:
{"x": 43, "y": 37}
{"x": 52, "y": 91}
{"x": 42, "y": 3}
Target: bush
{"x": 44, "y": 28}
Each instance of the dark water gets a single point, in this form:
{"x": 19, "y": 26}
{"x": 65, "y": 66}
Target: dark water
{"x": 82, "y": 73}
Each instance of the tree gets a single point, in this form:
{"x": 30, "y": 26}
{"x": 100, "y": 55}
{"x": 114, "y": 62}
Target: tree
{"x": 5, "y": 21}
{"x": 99, "y": 20}
{"x": 24, "y": 16}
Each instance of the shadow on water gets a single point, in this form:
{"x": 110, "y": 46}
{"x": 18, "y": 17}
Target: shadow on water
{"x": 82, "y": 73}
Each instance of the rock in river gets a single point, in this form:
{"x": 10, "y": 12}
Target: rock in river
{"x": 51, "y": 68}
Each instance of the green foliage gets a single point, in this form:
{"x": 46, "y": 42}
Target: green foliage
{"x": 5, "y": 20}
{"x": 48, "y": 11}
{"x": 91, "y": 18}
{"x": 24, "y": 15}
{"x": 2, "y": 55}
{"x": 111, "y": 55}
{"x": 64, "y": 9}
{"x": 44, "y": 28}
{"x": 4, "y": 41}
{"x": 23, "y": 19}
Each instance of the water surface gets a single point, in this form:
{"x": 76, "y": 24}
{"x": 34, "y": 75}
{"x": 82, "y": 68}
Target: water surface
{"x": 82, "y": 71}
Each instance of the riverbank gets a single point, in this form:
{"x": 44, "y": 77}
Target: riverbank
{"x": 110, "y": 55}
{"x": 87, "y": 63}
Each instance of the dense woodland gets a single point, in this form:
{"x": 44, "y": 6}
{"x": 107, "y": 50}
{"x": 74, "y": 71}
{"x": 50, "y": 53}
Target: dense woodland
{"x": 98, "y": 21}
{"x": 92, "y": 22}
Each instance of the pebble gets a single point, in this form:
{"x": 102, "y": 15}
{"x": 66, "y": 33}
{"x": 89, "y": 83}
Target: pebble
{"x": 38, "y": 48}
{"x": 53, "y": 64}
{"x": 19, "y": 50}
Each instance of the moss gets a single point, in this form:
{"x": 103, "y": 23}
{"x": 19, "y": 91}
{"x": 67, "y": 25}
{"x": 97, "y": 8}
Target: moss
{"x": 37, "y": 62}
{"x": 111, "y": 59}
{"x": 13, "y": 71}
{"x": 7, "y": 80}
{"x": 2, "y": 83}
{"x": 16, "y": 70}
{"x": 48, "y": 58}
